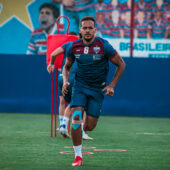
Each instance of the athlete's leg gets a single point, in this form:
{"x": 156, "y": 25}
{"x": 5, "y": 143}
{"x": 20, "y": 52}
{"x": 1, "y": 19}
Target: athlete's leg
{"x": 64, "y": 125}
{"x": 90, "y": 123}
{"x": 84, "y": 134}
{"x": 77, "y": 119}
{"x": 61, "y": 98}
{"x": 93, "y": 110}
{"x": 61, "y": 109}
{"x": 76, "y": 133}
{"x": 78, "y": 103}
{"x": 67, "y": 112}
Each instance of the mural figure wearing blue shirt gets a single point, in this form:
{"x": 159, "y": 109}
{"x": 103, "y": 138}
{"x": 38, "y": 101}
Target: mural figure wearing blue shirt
{"x": 47, "y": 18}
{"x": 92, "y": 55}
{"x": 159, "y": 28}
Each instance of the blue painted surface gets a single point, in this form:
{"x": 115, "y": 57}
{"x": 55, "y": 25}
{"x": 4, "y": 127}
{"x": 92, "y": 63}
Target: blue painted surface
{"x": 143, "y": 90}
{"x": 14, "y": 36}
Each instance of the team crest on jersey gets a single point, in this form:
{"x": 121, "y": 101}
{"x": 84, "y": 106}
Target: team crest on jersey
{"x": 96, "y": 49}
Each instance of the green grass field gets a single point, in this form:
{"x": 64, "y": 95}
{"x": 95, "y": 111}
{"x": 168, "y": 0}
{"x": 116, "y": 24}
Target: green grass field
{"x": 25, "y": 143}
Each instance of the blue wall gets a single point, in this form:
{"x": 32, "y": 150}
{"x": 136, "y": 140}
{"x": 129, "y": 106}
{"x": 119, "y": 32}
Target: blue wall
{"x": 143, "y": 90}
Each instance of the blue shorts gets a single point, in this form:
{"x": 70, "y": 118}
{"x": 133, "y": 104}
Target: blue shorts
{"x": 91, "y": 100}
{"x": 67, "y": 97}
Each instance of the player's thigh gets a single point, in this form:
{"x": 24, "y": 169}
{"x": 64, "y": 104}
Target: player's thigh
{"x": 94, "y": 104}
{"x": 93, "y": 110}
{"x": 78, "y": 98}
{"x": 62, "y": 101}
{"x": 68, "y": 112}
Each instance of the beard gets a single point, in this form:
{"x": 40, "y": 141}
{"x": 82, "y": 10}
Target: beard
{"x": 88, "y": 39}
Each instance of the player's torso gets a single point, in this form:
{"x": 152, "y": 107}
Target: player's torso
{"x": 88, "y": 55}
{"x": 158, "y": 29}
{"x": 92, "y": 64}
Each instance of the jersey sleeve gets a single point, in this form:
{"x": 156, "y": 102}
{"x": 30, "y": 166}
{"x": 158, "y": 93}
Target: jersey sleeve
{"x": 109, "y": 51}
{"x": 68, "y": 50}
{"x": 31, "y": 49}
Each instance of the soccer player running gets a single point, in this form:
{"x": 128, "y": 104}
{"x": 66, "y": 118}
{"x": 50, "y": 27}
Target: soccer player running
{"x": 92, "y": 55}
{"x": 66, "y": 115}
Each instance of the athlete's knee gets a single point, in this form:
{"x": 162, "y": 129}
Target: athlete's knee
{"x": 77, "y": 119}
{"x": 90, "y": 126}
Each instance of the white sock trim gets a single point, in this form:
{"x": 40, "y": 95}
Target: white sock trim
{"x": 61, "y": 119}
{"x": 78, "y": 150}
{"x": 65, "y": 119}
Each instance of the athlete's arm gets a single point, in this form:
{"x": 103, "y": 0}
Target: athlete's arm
{"x": 55, "y": 53}
{"x": 66, "y": 74}
{"x": 50, "y": 67}
{"x": 118, "y": 61}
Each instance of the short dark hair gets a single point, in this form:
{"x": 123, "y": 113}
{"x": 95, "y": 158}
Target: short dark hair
{"x": 54, "y": 9}
{"x": 88, "y": 18}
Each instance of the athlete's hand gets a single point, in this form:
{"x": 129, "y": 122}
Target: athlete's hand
{"x": 64, "y": 88}
{"x": 109, "y": 91}
{"x": 50, "y": 68}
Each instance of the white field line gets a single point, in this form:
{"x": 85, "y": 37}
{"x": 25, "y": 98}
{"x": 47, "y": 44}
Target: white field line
{"x": 150, "y": 133}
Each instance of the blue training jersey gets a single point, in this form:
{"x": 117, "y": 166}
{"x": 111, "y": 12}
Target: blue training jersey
{"x": 92, "y": 61}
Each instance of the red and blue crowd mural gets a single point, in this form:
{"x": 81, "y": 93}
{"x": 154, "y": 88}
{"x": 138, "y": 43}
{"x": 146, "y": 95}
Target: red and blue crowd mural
{"x": 25, "y": 25}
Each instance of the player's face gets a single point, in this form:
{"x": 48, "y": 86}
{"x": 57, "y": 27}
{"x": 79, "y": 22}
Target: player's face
{"x": 88, "y": 30}
{"x": 158, "y": 15}
{"x": 100, "y": 18}
{"x": 115, "y": 16}
{"x": 140, "y": 15}
{"x": 127, "y": 17}
{"x": 46, "y": 18}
